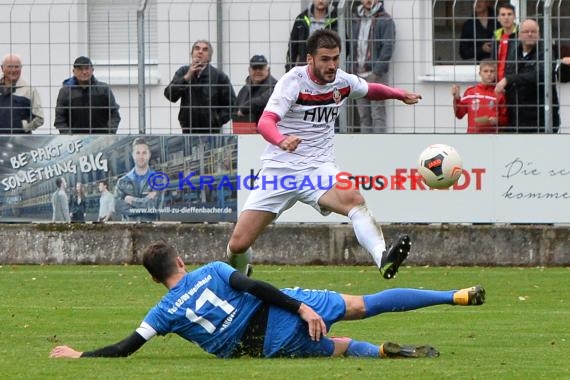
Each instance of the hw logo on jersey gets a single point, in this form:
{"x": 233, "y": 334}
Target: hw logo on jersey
{"x": 321, "y": 114}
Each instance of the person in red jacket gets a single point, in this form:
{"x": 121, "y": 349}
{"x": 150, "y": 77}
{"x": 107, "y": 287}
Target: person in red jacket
{"x": 486, "y": 111}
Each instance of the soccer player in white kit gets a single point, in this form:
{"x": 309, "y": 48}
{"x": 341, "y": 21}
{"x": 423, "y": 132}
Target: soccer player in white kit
{"x": 298, "y": 122}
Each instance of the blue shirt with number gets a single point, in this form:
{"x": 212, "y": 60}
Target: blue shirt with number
{"x": 203, "y": 308}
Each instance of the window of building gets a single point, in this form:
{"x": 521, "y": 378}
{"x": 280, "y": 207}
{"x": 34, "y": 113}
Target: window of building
{"x": 112, "y": 38}
{"x": 448, "y": 18}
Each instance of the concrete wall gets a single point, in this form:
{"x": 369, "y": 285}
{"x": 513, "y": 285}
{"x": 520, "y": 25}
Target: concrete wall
{"x": 521, "y": 245}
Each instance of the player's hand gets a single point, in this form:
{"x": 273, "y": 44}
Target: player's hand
{"x": 151, "y": 195}
{"x": 411, "y": 98}
{"x": 317, "y": 327}
{"x": 64, "y": 352}
{"x": 566, "y": 60}
{"x": 290, "y": 143}
{"x": 129, "y": 199}
{"x": 486, "y": 47}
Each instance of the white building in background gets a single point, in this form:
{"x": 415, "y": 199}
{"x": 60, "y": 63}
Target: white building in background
{"x": 49, "y": 35}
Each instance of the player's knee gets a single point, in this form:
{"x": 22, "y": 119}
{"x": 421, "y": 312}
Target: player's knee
{"x": 238, "y": 244}
{"x": 354, "y": 199}
{"x": 355, "y": 307}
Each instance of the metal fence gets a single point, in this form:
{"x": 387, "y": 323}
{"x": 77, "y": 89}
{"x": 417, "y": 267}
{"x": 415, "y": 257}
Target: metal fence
{"x": 137, "y": 46}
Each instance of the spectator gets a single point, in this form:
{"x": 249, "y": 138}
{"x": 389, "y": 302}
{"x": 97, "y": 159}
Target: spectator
{"x": 20, "y": 104}
{"x": 484, "y": 108}
{"x": 253, "y": 97}
{"x": 77, "y": 204}
{"x": 372, "y": 44}
{"x": 477, "y": 33}
{"x": 140, "y": 202}
{"x": 320, "y": 14}
{"x": 84, "y": 104}
{"x": 523, "y": 83}
{"x": 563, "y": 69}
{"x": 507, "y": 32}
{"x": 60, "y": 202}
{"x": 106, "y": 202}
{"x": 206, "y": 93}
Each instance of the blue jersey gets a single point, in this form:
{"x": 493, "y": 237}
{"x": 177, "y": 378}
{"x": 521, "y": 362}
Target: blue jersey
{"x": 203, "y": 308}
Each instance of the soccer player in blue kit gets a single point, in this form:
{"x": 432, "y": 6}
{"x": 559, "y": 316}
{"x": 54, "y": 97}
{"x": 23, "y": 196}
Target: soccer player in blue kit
{"x": 229, "y": 314}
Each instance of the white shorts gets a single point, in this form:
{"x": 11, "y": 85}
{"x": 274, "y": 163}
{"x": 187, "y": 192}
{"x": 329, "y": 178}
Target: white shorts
{"x": 278, "y": 189}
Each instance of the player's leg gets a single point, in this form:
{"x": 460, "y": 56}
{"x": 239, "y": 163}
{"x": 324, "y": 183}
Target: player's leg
{"x": 249, "y": 226}
{"x": 354, "y": 348}
{"x": 351, "y": 203}
{"x": 405, "y": 299}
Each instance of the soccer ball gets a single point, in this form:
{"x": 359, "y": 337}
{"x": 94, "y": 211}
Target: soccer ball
{"x": 440, "y": 166}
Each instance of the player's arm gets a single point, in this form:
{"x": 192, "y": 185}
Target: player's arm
{"x": 273, "y": 296}
{"x": 123, "y": 348}
{"x": 267, "y": 127}
{"x": 378, "y": 91}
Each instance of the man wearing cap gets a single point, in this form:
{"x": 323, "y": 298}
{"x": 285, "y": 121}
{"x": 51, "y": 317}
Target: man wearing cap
{"x": 84, "y": 104}
{"x": 205, "y": 92}
{"x": 20, "y": 105}
{"x": 253, "y": 97}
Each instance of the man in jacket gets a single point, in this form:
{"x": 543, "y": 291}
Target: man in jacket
{"x": 253, "y": 97}
{"x": 205, "y": 92}
{"x": 371, "y": 47}
{"x": 477, "y": 33}
{"x": 506, "y": 33}
{"x": 84, "y": 104}
{"x": 20, "y": 104}
{"x": 320, "y": 14}
{"x": 523, "y": 83}
{"x": 136, "y": 199}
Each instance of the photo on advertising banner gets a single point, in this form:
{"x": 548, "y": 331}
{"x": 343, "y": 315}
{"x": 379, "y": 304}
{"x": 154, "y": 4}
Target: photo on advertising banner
{"x": 118, "y": 179}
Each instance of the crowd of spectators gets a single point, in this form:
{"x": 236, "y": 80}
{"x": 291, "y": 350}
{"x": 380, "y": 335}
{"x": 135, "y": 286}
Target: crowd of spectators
{"x": 207, "y": 99}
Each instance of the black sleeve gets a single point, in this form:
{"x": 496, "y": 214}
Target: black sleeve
{"x": 264, "y": 291}
{"x": 121, "y": 349}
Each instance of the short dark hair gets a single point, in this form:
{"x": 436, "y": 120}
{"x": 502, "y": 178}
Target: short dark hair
{"x": 159, "y": 259}
{"x": 104, "y": 182}
{"x": 139, "y": 141}
{"x": 507, "y": 6}
{"x": 58, "y": 182}
{"x": 323, "y": 38}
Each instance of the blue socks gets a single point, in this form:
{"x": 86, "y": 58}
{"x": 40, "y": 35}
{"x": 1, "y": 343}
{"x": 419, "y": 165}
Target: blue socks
{"x": 392, "y": 300}
{"x": 362, "y": 350}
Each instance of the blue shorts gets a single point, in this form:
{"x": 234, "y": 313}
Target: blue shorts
{"x": 287, "y": 335}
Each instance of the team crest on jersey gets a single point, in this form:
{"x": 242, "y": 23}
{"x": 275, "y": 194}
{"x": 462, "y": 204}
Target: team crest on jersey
{"x": 475, "y": 105}
{"x": 337, "y": 96}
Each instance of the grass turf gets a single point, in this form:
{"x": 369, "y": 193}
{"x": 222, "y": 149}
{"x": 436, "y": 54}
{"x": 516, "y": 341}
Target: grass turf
{"x": 520, "y": 333}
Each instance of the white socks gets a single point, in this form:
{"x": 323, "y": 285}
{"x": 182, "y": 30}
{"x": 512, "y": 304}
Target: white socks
{"x": 368, "y": 234}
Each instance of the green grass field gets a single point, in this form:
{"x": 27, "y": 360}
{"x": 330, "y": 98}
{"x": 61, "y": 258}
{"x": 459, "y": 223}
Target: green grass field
{"x": 522, "y": 332}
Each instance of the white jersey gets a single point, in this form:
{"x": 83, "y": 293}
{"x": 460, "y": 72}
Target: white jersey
{"x": 309, "y": 110}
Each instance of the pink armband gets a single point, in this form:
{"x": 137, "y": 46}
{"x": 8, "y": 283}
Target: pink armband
{"x": 378, "y": 91}
{"x": 267, "y": 127}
